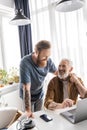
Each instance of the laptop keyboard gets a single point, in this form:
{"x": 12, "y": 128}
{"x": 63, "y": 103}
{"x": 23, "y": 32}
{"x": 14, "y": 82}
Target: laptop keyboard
{"x": 72, "y": 111}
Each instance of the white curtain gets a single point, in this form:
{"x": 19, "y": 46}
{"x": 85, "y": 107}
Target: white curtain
{"x": 66, "y": 31}
{"x": 9, "y": 41}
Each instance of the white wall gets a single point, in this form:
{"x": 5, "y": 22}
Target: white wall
{"x": 9, "y": 3}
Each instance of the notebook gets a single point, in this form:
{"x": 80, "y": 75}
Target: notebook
{"x": 77, "y": 114}
{"x": 6, "y": 116}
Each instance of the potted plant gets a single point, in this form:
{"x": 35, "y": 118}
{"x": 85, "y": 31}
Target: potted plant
{"x": 3, "y": 77}
{"x": 13, "y": 75}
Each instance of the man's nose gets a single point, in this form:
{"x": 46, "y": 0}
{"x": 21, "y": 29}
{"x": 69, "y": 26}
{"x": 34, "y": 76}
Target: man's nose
{"x": 47, "y": 58}
{"x": 61, "y": 68}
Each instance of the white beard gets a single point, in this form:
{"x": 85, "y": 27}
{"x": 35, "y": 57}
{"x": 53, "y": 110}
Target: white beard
{"x": 63, "y": 76}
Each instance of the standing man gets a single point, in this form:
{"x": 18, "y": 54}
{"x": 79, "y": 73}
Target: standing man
{"x": 33, "y": 70}
{"x": 63, "y": 90}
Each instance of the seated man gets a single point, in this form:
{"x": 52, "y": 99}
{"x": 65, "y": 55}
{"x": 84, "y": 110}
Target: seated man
{"x": 63, "y": 90}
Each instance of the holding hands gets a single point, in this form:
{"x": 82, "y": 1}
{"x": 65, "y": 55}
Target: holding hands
{"x": 66, "y": 103}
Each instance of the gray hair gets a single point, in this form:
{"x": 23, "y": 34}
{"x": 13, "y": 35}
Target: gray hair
{"x": 70, "y": 63}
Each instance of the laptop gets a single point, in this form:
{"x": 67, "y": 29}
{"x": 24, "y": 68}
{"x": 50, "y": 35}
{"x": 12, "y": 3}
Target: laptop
{"x": 77, "y": 114}
{"x": 7, "y": 114}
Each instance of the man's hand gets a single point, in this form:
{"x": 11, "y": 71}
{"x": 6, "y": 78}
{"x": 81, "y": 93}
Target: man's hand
{"x": 73, "y": 78}
{"x": 64, "y": 104}
{"x": 52, "y": 106}
{"x": 67, "y": 103}
{"x": 29, "y": 114}
{"x": 81, "y": 88}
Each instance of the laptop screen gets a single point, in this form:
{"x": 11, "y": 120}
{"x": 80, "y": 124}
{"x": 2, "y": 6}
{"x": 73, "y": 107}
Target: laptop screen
{"x": 78, "y": 114}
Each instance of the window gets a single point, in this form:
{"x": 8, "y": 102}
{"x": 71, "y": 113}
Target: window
{"x": 9, "y": 43}
{"x": 66, "y": 31}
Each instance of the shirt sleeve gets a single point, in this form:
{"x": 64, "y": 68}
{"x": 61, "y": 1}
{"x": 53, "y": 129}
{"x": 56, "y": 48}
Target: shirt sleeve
{"x": 50, "y": 94}
{"x": 24, "y": 72}
{"x": 52, "y": 67}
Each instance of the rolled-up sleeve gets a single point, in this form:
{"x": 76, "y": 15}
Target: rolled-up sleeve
{"x": 24, "y": 73}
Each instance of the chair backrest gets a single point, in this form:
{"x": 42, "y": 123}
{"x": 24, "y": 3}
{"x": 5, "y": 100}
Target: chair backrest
{"x": 7, "y": 114}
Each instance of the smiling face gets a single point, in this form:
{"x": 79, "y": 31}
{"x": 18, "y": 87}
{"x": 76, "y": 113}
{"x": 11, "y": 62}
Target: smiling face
{"x": 43, "y": 57}
{"x": 64, "y": 69}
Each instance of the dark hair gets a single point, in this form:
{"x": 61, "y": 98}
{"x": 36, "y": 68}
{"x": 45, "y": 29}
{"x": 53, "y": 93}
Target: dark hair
{"x": 43, "y": 44}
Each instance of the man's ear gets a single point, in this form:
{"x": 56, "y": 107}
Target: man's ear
{"x": 71, "y": 69}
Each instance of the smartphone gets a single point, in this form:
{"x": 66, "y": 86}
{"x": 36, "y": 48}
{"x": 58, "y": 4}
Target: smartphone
{"x": 45, "y": 117}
